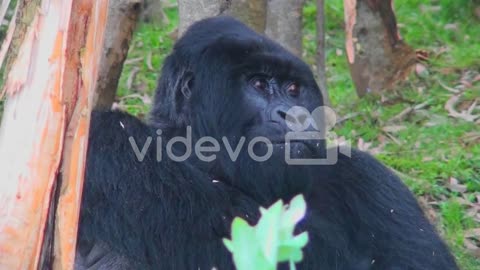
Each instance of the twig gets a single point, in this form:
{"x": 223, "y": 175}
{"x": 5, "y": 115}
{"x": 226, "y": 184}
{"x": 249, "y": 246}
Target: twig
{"x": 132, "y": 76}
{"x": 448, "y": 88}
{"x": 347, "y": 117}
{"x": 149, "y": 61}
{"x": 465, "y": 115}
{"x": 395, "y": 140}
{"x": 133, "y": 60}
{"x": 399, "y": 117}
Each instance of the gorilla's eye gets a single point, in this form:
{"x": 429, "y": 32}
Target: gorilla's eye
{"x": 260, "y": 84}
{"x": 293, "y": 90}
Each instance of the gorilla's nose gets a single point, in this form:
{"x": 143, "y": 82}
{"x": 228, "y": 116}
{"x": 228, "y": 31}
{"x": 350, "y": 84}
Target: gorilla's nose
{"x": 279, "y": 114}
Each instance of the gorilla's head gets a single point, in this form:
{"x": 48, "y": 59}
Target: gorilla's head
{"x": 225, "y": 80}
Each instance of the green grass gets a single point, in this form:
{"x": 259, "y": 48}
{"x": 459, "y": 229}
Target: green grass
{"x": 148, "y": 40}
{"x": 426, "y": 156}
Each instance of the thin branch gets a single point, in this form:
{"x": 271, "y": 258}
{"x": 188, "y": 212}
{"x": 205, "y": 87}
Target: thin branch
{"x": 320, "y": 57}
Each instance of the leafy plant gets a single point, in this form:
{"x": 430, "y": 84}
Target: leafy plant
{"x": 271, "y": 241}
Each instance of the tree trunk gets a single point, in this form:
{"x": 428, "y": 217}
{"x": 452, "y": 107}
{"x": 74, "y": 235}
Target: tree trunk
{"x": 152, "y": 12}
{"x": 251, "y": 12}
{"x": 192, "y": 11}
{"x": 44, "y": 131}
{"x": 3, "y": 9}
{"x": 377, "y": 55}
{"x": 7, "y": 41}
{"x": 122, "y": 19}
{"x": 284, "y": 23}
{"x": 320, "y": 57}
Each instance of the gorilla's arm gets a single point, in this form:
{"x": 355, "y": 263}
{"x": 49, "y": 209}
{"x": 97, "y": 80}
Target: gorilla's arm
{"x": 100, "y": 257}
{"x": 360, "y": 199}
{"x": 153, "y": 213}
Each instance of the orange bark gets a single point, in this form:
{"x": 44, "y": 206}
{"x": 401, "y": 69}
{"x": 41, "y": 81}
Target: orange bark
{"x": 377, "y": 55}
{"x": 44, "y": 130}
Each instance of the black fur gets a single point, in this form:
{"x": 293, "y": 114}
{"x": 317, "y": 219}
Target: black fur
{"x": 173, "y": 215}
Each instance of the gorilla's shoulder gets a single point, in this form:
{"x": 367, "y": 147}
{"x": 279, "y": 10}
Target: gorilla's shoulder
{"x": 108, "y": 125}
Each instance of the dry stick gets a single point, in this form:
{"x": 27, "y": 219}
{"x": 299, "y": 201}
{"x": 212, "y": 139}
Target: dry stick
{"x": 407, "y": 111}
{"x": 347, "y": 117}
{"x": 133, "y": 61}
{"x": 149, "y": 61}
{"x": 465, "y": 115}
{"x": 395, "y": 140}
{"x": 131, "y": 78}
{"x": 449, "y": 89}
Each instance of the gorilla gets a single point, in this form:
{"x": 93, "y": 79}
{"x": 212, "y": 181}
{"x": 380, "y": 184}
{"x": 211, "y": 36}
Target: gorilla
{"x": 222, "y": 87}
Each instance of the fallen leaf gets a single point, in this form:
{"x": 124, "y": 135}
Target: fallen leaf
{"x": 367, "y": 147}
{"x": 476, "y": 79}
{"x": 472, "y": 247}
{"x": 453, "y": 185}
{"x": 421, "y": 70}
{"x": 473, "y": 233}
{"x": 471, "y": 138}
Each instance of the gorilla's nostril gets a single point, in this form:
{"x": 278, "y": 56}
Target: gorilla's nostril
{"x": 278, "y": 113}
{"x": 302, "y": 118}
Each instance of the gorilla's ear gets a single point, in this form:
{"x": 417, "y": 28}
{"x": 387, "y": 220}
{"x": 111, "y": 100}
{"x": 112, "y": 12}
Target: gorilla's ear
{"x": 173, "y": 92}
{"x": 187, "y": 84}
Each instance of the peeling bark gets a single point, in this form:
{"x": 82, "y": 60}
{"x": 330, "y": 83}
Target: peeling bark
{"x": 44, "y": 131}
{"x": 377, "y": 55}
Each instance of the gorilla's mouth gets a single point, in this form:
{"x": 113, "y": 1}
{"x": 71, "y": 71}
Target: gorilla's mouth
{"x": 283, "y": 142}
{"x": 299, "y": 148}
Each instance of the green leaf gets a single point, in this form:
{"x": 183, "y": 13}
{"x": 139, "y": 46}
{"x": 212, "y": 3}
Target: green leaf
{"x": 271, "y": 241}
{"x": 267, "y": 231}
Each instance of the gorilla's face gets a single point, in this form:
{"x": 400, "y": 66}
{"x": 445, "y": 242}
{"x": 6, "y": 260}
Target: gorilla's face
{"x": 250, "y": 87}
